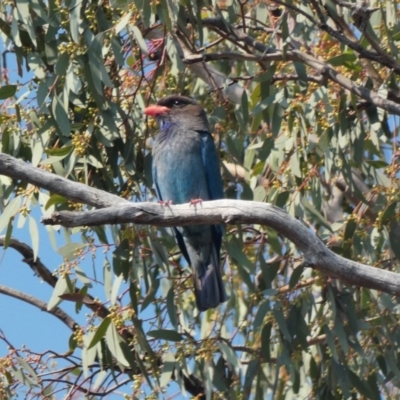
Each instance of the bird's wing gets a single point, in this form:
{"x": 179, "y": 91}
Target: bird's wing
{"x": 155, "y": 181}
{"x": 178, "y": 235}
{"x": 211, "y": 166}
{"x": 213, "y": 177}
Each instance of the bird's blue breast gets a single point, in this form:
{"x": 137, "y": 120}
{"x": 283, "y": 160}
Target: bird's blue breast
{"x": 178, "y": 166}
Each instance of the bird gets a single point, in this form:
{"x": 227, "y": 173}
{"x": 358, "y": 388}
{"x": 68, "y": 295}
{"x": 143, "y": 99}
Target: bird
{"x": 186, "y": 169}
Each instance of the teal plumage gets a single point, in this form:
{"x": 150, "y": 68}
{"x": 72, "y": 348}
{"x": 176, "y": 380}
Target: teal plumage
{"x": 186, "y": 167}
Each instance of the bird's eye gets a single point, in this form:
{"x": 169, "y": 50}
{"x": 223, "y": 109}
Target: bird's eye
{"x": 177, "y": 103}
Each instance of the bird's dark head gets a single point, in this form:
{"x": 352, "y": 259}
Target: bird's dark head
{"x": 178, "y": 110}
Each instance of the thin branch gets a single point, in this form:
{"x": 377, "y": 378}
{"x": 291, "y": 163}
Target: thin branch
{"x": 44, "y": 273}
{"x": 57, "y": 312}
{"x": 384, "y": 60}
{"x": 258, "y": 351}
{"x": 322, "y": 67}
{"x": 367, "y": 64}
{"x": 36, "y": 265}
{"x": 316, "y": 254}
{"x": 275, "y": 78}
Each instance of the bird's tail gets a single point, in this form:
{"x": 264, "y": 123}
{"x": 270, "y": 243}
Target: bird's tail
{"x": 208, "y": 285}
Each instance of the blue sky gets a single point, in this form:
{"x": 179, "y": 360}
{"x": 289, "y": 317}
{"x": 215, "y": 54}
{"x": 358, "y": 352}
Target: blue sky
{"x": 21, "y": 322}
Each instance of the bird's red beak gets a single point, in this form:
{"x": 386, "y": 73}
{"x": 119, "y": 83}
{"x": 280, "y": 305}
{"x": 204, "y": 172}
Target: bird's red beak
{"x": 155, "y": 110}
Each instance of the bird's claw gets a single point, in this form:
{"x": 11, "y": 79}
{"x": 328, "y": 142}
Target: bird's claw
{"x": 193, "y": 202}
{"x": 165, "y": 203}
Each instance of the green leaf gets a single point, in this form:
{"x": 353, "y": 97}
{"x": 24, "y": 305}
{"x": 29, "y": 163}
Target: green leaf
{"x": 75, "y": 19}
{"x": 158, "y": 251}
{"x": 141, "y": 337}
{"x": 343, "y": 59}
{"x": 265, "y": 341}
{"x": 69, "y": 251}
{"x": 361, "y": 386}
{"x": 394, "y": 239}
{"x": 302, "y": 74}
{"x": 133, "y": 296}
{"x": 171, "y": 307}
{"x": 51, "y": 52}
{"x": 280, "y": 319}
{"x": 72, "y": 342}
{"x": 113, "y": 343}
{"x": 177, "y": 64}
{"x": 374, "y": 392}
{"x": 63, "y": 151}
{"x": 88, "y": 355}
{"x": 151, "y": 293}
{"x": 121, "y": 24}
{"x": 229, "y": 355}
{"x": 115, "y": 288}
{"x": 166, "y": 334}
{"x": 36, "y": 65}
{"x": 266, "y": 76}
{"x": 296, "y": 274}
{"x": 107, "y": 278}
{"x": 260, "y": 194}
{"x": 24, "y": 378}
{"x": 294, "y": 163}
{"x": 168, "y": 369}
{"x": 100, "y": 332}
{"x": 61, "y": 116}
{"x": 251, "y": 371}
{"x": 54, "y": 200}
{"x": 81, "y": 275}
{"x": 245, "y": 107}
{"x": 52, "y": 160}
{"x": 96, "y": 62}
{"x": 316, "y": 214}
{"x": 62, "y": 65}
{"x": 101, "y": 376}
{"x": 7, "y": 91}
{"x": 245, "y": 276}
{"x": 234, "y": 249}
{"x": 28, "y": 369}
{"x": 9, "y": 212}
{"x": 139, "y": 39}
{"x": 262, "y": 311}
{"x": 8, "y": 234}
{"x": 120, "y": 260}
{"x": 389, "y": 212}
{"x": 60, "y": 288}
{"x": 34, "y": 233}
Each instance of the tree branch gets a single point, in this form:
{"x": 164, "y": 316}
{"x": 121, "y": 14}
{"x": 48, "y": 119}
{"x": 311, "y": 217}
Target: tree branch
{"x": 20, "y": 170}
{"x": 385, "y": 60}
{"x": 322, "y": 67}
{"x": 316, "y": 254}
{"x": 44, "y": 273}
{"x": 56, "y": 311}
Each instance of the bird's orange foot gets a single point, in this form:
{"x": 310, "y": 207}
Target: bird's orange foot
{"x": 165, "y": 203}
{"x": 193, "y": 202}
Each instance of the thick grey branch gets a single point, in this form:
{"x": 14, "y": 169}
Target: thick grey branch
{"x": 20, "y": 170}
{"x": 316, "y": 254}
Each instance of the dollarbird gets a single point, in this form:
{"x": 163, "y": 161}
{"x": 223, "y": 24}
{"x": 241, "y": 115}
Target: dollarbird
{"x": 186, "y": 169}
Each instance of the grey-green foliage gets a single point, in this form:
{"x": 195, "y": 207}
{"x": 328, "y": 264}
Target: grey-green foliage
{"x": 287, "y": 134}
